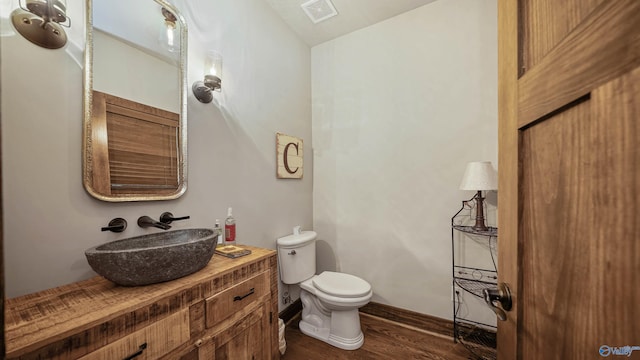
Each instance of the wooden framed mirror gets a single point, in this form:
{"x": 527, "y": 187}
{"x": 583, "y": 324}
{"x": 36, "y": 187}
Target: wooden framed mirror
{"x": 135, "y": 91}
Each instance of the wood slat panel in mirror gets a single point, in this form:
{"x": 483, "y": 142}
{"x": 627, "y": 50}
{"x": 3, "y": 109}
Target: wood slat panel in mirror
{"x": 140, "y": 151}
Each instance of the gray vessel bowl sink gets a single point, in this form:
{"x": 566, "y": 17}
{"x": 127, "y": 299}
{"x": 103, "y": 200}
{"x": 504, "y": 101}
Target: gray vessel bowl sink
{"x": 153, "y": 258}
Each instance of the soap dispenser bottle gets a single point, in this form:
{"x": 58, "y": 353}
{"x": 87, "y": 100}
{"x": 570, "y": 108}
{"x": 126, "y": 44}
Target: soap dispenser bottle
{"x": 218, "y": 229}
{"x": 229, "y": 228}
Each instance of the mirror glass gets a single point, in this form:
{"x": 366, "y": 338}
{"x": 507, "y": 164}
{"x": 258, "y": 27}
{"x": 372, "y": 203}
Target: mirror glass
{"x": 135, "y": 138}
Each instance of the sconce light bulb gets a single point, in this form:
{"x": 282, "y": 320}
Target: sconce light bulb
{"x": 213, "y": 64}
{"x": 171, "y": 27}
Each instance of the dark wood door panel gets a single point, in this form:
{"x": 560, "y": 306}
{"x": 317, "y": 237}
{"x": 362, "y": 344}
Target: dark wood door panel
{"x": 546, "y": 22}
{"x": 554, "y": 268}
{"x": 604, "y": 46}
{"x": 569, "y": 176}
{"x": 579, "y": 254}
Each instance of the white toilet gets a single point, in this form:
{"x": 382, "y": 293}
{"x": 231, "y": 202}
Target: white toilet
{"x": 330, "y": 301}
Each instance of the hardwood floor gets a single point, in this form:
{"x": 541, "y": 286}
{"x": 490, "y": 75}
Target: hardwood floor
{"x": 383, "y": 339}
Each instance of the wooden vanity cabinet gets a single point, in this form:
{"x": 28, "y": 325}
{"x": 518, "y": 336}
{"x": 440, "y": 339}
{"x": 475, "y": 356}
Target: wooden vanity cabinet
{"x": 241, "y": 340}
{"x": 234, "y": 321}
{"x": 228, "y": 310}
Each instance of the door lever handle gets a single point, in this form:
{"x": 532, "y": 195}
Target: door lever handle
{"x": 500, "y": 295}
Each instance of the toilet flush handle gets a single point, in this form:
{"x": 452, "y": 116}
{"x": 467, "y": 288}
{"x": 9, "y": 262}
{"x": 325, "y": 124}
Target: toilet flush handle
{"x": 292, "y": 252}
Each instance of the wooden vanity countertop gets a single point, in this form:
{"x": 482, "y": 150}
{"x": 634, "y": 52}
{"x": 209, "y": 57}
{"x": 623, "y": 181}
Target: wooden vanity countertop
{"x": 33, "y": 320}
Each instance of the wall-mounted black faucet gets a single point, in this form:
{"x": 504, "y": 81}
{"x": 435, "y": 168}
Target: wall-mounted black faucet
{"x": 168, "y": 218}
{"x": 116, "y": 225}
{"x": 145, "y": 222}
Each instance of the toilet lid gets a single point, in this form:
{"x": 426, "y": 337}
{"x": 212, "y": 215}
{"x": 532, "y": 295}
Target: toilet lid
{"x": 342, "y": 285}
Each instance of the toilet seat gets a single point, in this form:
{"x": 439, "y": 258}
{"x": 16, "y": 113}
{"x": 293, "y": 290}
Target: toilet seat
{"x": 341, "y": 285}
{"x": 347, "y": 299}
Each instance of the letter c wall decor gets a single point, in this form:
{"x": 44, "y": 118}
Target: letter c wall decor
{"x": 289, "y": 157}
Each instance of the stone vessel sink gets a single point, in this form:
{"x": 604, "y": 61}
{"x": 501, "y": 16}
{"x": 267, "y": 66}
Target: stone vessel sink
{"x": 153, "y": 258}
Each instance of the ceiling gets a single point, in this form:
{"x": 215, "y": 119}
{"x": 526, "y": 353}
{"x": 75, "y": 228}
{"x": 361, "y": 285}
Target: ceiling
{"x": 352, "y": 15}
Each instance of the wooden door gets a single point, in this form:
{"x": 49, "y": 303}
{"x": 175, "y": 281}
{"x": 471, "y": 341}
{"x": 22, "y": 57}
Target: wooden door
{"x": 2, "y": 339}
{"x": 569, "y": 177}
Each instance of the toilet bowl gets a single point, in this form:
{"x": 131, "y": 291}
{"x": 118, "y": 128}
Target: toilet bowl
{"x": 332, "y": 316}
{"x": 330, "y": 300}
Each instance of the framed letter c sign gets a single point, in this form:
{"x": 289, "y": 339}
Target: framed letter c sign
{"x": 289, "y": 157}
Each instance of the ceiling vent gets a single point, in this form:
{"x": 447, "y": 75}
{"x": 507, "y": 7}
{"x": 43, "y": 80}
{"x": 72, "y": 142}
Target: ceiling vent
{"x": 319, "y": 10}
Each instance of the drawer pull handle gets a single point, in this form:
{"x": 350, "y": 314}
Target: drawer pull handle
{"x": 238, "y": 298}
{"x": 138, "y": 353}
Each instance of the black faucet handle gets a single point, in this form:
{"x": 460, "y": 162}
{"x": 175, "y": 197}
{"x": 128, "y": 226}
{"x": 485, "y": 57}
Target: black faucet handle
{"x": 116, "y": 225}
{"x": 168, "y": 218}
{"x": 145, "y": 222}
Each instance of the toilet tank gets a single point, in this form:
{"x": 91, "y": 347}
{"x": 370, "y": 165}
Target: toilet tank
{"x": 297, "y": 256}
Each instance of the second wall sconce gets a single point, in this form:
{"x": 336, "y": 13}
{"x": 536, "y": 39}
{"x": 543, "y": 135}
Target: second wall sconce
{"x": 40, "y": 22}
{"x": 168, "y": 35}
{"x": 203, "y": 90}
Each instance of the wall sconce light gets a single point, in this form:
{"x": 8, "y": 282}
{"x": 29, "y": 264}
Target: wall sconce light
{"x": 168, "y": 35}
{"x": 478, "y": 176}
{"x": 40, "y": 22}
{"x": 203, "y": 90}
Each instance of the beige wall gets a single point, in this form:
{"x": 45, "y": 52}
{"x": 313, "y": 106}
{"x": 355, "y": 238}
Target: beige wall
{"x": 399, "y": 108}
{"x": 49, "y": 219}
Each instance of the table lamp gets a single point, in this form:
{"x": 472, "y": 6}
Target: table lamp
{"x": 479, "y": 176}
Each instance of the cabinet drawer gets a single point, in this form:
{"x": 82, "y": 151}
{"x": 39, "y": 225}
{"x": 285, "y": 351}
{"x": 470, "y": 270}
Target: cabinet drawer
{"x": 152, "y": 342}
{"x": 228, "y": 302}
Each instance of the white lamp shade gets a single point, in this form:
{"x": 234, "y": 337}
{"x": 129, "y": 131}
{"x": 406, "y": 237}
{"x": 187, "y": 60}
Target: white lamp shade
{"x": 479, "y": 175}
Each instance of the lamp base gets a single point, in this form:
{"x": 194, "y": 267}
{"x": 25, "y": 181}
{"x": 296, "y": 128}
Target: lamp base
{"x": 479, "y": 226}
